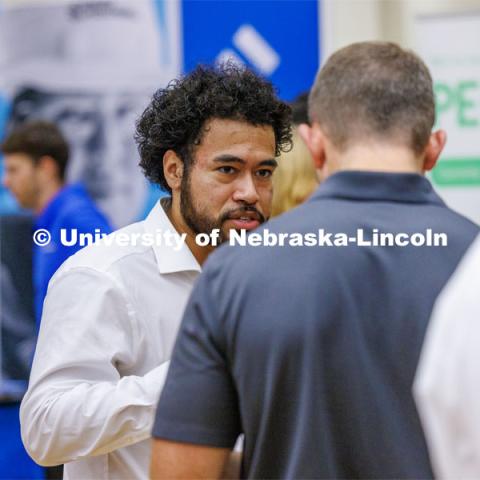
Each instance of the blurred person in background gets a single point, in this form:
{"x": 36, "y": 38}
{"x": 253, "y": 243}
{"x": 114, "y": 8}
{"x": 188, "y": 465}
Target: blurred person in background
{"x": 300, "y": 109}
{"x": 446, "y": 386}
{"x": 311, "y": 351}
{"x": 295, "y": 178}
{"x": 112, "y": 312}
{"x": 98, "y": 128}
{"x": 36, "y": 156}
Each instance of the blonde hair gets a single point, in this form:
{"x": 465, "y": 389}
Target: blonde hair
{"x": 295, "y": 178}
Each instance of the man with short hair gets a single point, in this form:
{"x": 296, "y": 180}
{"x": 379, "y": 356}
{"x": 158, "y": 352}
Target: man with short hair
{"x": 36, "y": 157}
{"x": 112, "y": 312}
{"x": 311, "y": 351}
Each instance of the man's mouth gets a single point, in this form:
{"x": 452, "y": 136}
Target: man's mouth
{"x": 244, "y": 223}
{"x": 245, "y": 220}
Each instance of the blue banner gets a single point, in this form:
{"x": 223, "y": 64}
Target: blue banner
{"x": 279, "y": 39}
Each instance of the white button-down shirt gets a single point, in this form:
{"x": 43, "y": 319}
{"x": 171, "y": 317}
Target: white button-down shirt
{"x": 109, "y": 323}
{"x": 447, "y": 383}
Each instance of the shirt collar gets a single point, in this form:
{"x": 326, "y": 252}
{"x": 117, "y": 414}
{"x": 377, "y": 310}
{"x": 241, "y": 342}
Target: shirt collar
{"x": 380, "y": 186}
{"x": 168, "y": 259}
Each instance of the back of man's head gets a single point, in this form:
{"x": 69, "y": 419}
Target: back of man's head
{"x": 38, "y": 139}
{"x": 374, "y": 91}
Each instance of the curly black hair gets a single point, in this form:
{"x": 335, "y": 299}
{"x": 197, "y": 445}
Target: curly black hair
{"x": 175, "y": 118}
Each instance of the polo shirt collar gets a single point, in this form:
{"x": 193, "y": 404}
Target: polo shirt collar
{"x": 168, "y": 259}
{"x": 380, "y": 186}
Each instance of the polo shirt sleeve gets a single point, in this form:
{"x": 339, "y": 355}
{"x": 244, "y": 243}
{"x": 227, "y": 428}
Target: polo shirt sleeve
{"x": 199, "y": 402}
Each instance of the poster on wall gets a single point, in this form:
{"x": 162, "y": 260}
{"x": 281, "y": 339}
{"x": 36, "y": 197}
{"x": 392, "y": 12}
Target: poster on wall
{"x": 449, "y": 44}
{"x": 91, "y": 67}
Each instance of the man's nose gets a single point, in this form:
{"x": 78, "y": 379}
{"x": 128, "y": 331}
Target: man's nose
{"x": 246, "y": 190}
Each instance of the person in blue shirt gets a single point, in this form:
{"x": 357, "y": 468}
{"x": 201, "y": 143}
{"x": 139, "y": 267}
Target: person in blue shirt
{"x": 35, "y": 162}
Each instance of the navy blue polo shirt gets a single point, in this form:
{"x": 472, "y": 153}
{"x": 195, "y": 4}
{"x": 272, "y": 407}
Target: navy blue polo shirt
{"x": 311, "y": 351}
{"x": 71, "y": 208}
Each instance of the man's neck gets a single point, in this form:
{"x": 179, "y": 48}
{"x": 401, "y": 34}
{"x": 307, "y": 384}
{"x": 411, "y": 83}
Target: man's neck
{"x": 46, "y": 195}
{"x": 375, "y": 158}
{"x": 173, "y": 212}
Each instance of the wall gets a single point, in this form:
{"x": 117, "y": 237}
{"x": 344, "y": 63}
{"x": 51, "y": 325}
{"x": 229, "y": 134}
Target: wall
{"x": 347, "y": 21}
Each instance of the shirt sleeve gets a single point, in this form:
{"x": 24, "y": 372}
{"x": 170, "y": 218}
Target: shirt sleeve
{"x": 446, "y": 386}
{"x": 84, "y": 220}
{"x": 78, "y": 403}
{"x": 199, "y": 402}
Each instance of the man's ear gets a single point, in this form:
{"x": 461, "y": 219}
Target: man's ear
{"x": 173, "y": 169}
{"x": 48, "y": 168}
{"x": 434, "y": 148}
{"x": 315, "y": 140}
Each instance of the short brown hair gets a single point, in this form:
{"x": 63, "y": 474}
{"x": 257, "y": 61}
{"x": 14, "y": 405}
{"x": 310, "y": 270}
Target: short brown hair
{"x": 38, "y": 139}
{"x": 374, "y": 89}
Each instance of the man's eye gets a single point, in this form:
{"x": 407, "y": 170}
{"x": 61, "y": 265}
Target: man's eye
{"x": 265, "y": 173}
{"x": 227, "y": 169}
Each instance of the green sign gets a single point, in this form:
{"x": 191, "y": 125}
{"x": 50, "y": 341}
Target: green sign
{"x": 460, "y": 101}
{"x": 457, "y": 172}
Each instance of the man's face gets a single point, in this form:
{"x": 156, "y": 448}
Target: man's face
{"x": 20, "y": 176}
{"x": 229, "y": 185}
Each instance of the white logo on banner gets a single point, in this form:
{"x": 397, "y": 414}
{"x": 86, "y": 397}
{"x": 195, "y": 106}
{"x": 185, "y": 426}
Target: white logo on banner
{"x": 254, "y": 48}
{"x": 228, "y": 55}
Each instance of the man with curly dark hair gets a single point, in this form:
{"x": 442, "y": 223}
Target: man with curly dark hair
{"x": 210, "y": 140}
{"x": 112, "y": 312}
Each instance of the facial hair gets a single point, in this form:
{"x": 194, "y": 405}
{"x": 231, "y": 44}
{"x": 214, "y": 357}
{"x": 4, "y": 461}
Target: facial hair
{"x": 199, "y": 222}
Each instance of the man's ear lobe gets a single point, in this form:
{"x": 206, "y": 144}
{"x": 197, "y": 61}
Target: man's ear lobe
{"x": 434, "y": 148}
{"x": 173, "y": 169}
{"x": 49, "y": 167}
